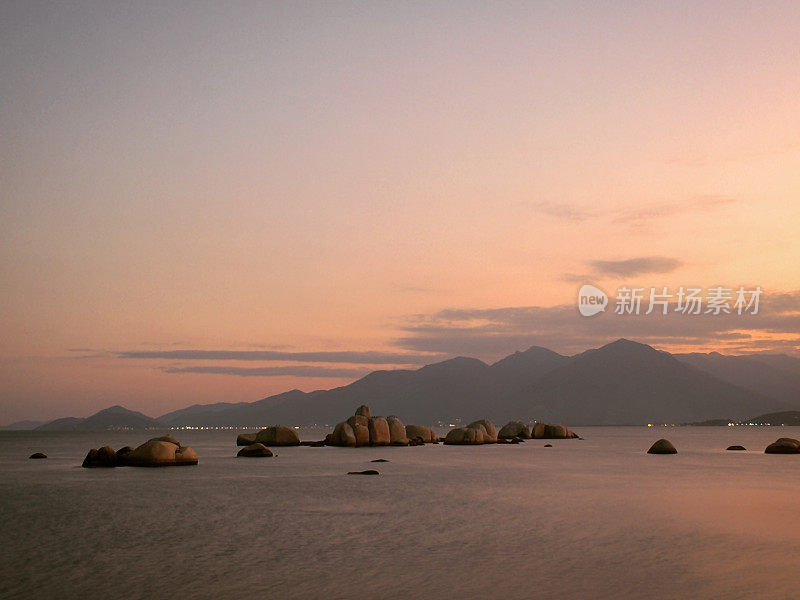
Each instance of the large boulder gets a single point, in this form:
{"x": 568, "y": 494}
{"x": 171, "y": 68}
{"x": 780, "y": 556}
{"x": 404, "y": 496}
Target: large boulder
{"x": 546, "y": 431}
{"x": 245, "y": 439}
{"x": 378, "y": 432}
{"x": 465, "y": 436}
{"x": 165, "y": 438}
{"x": 490, "y": 431}
{"x": 360, "y": 426}
{"x": 514, "y": 429}
{"x": 343, "y": 435}
{"x": 254, "y": 451}
{"x": 278, "y": 435}
{"x": 155, "y": 453}
{"x": 363, "y": 411}
{"x": 124, "y": 455}
{"x": 103, "y": 457}
{"x": 397, "y": 432}
{"x": 427, "y": 435}
{"x": 783, "y": 446}
{"x": 662, "y": 446}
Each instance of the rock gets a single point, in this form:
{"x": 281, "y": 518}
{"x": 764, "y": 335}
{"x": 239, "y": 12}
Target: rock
{"x": 548, "y": 445}
{"x": 490, "y": 431}
{"x": 662, "y": 446}
{"x": 546, "y": 431}
{"x": 514, "y": 429}
{"x": 397, "y": 432}
{"x": 735, "y": 448}
{"x": 165, "y": 438}
{"x": 417, "y": 441}
{"x": 342, "y": 435}
{"x": 379, "y": 460}
{"x": 360, "y": 427}
{"x": 378, "y": 432}
{"x": 38, "y": 455}
{"x": 783, "y": 446}
{"x": 363, "y": 411}
{"x": 155, "y": 453}
{"x": 105, "y": 457}
{"x": 318, "y": 444}
{"x": 245, "y": 439}
{"x": 254, "y": 450}
{"x": 278, "y": 435}
{"x": 367, "y": 472}
{"x": 124, "y": 455}
{"x": 465, "y": 436}
{"x": 420, "y": 431}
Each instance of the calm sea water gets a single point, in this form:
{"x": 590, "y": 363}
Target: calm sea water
{"x": 597, "y": 518}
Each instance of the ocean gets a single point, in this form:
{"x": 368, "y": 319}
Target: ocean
{"x": 594, "y": 518}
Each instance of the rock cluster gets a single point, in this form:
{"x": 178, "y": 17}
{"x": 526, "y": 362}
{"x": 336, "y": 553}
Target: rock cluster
{"x": 783, "y": 446}
{"x": 162, "y": 451}
{"x": 477, "y": 432}
{"x": 362, "y": 429}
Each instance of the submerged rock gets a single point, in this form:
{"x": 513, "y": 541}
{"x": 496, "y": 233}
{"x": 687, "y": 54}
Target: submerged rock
{"x": 277, "y": 435}
{"x": 662, "y": 446}
{"x": 379, "y": 460}
{"x": 367, "y": 472}
{"x": 38, "y": 455}
{"x": 735, "y": 448}
{"x": 783, "y": 446}
{"x": 254, "y": 451}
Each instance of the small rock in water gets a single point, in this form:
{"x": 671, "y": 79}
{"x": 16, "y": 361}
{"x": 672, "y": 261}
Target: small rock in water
{"x": 379, "y": 460}
{"x": 38, "y": 455}
{"x": 548, "y": 445}
{"x": 662, "y": 446}
{"x": 367, "y": 472}
{"x": 735, "y": 448}
{"x": 255, "y": 450}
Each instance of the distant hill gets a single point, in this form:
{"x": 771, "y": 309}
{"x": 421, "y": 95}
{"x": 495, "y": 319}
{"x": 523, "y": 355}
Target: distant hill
{"x": 789, "y": 417}
{"x": 773, "y": 375}
{"x": 21, "y": 426}
{"x": 115, "y": 417}
{"x": 623, "y": 382}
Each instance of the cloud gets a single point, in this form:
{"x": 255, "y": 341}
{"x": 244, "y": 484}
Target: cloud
{"x": 348, "y": 357}
{"x": 561, "y": 210}
{"x": 295, "y": 371}
{"x": 636, "y": 266}
{"x": 639, "y": 215}
{"x": 493, "y": 333}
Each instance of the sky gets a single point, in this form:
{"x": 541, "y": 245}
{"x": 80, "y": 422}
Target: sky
{"x": 206, "y": 202}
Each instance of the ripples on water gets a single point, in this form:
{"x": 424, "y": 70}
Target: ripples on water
{"x": 597, "y": 518}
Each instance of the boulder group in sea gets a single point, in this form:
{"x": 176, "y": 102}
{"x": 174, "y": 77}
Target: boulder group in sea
{"x": 662, "y": 446}
{"x": 161, "y": 451}
{"x": 277, "y": 435}
{"x": 783, "y": 446}
{"x": 362, "y": 429}
{"x": 546, "y": 431}
{"x": 477, "y": 432}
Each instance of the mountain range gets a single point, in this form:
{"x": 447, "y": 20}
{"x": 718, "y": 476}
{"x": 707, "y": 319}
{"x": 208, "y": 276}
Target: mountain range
{"x": 621, "y": 383}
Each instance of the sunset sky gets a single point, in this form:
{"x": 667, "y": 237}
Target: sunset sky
{"x": 213, "y": 201}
